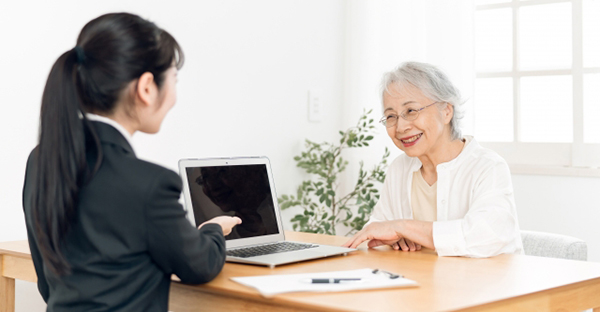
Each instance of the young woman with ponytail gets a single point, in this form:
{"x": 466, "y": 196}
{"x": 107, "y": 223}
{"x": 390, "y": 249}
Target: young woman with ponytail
{"x": 105, "y": 229}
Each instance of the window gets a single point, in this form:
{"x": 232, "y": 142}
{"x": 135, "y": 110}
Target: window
{"x": 537, "y": 83}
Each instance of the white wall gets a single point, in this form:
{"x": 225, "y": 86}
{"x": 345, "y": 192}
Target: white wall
{"x": 242, "y": 91}
{"x": 562, "y": 205}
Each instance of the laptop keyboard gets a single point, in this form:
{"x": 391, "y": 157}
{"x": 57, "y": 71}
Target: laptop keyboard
{"x": 268, "y": 249}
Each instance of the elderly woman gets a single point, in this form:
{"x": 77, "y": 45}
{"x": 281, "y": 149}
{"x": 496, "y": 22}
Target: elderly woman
{"x": 445, "y": 192}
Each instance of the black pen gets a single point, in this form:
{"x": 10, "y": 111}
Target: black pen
{"x": 333, "y": 280}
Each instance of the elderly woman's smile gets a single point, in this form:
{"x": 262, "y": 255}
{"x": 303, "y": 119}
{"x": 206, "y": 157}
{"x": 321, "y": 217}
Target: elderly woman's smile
{"x": 411, "y": 140}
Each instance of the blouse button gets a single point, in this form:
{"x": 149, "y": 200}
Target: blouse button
{"x": 443, "y": 201}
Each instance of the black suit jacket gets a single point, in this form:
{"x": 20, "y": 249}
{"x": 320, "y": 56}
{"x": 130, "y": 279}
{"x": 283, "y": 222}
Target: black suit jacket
{"x": 130, "y": 234}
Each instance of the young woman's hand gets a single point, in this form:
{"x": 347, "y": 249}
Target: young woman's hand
{"x": 226, "y": 222}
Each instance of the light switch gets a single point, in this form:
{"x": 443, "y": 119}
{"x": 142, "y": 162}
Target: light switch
{"x": 315, "y": 106}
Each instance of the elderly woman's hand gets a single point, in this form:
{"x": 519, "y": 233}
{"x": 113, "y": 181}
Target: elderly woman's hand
{"x": 377, "y": 233}
{"x": 405, "y": 244}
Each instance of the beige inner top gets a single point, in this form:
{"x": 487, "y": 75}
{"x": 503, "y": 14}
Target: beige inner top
{"x": 423, "y": 198}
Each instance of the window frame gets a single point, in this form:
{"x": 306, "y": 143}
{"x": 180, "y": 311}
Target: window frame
{"x": 524, "y": 154}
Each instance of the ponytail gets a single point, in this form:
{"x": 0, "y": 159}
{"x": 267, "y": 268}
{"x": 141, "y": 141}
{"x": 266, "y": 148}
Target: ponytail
{"x": 61, "y": 160}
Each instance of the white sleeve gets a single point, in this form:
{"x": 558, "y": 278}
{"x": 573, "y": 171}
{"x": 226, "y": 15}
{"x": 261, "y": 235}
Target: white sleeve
{"x": 490, "y": 226}
{"x": 383, "y": 210}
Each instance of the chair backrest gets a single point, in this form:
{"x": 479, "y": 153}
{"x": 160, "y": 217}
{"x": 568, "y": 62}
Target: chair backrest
{"x": 553, "y": 245}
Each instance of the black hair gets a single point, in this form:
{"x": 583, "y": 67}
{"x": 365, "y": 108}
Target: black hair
{"x": 112, "y": 51}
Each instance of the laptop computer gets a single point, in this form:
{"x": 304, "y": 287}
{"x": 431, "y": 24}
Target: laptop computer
{"x": 244, "y": 187}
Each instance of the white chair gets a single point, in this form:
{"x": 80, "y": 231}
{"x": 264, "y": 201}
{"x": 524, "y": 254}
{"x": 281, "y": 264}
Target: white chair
{"x": 553, "y": 245}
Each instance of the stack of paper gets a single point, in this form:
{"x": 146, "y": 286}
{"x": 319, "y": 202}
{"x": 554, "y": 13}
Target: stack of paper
{"x": 270, "y": 285}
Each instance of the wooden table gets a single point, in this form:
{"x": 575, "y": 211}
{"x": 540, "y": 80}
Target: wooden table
{"x": 502, "y": 283}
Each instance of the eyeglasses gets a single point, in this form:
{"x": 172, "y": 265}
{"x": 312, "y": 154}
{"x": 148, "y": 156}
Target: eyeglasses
{"x": 391, "y": 119}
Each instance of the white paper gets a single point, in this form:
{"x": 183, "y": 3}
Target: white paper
{"x": 270, "y": 285}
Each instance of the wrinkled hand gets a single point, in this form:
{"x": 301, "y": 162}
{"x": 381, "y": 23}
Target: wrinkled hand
{"x": 377, "y": 233}
{"x": 405, "y": 244}
{"x": 226, "y": 222}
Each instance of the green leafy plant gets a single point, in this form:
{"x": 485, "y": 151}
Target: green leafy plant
{"x": 324, "y": 208}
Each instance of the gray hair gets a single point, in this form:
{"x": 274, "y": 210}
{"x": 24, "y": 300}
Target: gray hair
{"x": 434, "y": 84}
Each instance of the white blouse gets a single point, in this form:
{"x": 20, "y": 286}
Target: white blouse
{"x": 476, "y": 213}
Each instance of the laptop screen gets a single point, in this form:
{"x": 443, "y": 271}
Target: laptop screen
{"x": 235, "y": 190}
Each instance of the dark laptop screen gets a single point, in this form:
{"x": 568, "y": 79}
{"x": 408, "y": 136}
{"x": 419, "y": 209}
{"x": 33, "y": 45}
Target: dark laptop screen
{"x": 240, "y": 190}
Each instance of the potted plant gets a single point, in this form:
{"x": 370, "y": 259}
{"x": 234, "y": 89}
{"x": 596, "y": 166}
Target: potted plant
{"x": 324, "y": 207}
